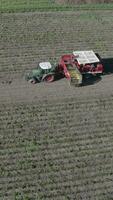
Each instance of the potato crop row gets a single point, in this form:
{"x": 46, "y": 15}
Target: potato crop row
{"x": 55, "y": 149}
{"x": 25, "y": 42}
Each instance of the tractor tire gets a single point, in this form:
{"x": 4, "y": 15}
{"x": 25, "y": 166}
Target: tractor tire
{"x": 33, "y": 81}
{"x": 49, "y": 78}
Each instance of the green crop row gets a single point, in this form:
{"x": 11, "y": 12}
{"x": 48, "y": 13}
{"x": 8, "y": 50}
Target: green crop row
{"x": 46, "y": 5}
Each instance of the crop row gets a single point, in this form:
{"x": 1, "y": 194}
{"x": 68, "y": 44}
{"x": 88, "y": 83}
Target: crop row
{"x": 24, "y": 41}
{"x": 49, "y": 184}
{"x": 57, "y": 149}
{"x": 50, "y": 5}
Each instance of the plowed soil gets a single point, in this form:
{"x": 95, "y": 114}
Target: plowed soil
{"x": 56, "y": 141}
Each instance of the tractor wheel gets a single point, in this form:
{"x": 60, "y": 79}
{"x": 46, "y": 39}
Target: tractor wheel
{"x": 33, "y": 81}
{"x": 49, "y": 78}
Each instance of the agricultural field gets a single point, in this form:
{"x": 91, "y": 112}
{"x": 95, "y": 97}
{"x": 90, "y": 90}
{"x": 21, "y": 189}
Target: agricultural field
{"x": 56, "y": 141}
{"x": 53, "y": 5}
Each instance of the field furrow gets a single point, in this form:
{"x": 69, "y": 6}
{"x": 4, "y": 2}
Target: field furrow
{"x": 56, "y": 141}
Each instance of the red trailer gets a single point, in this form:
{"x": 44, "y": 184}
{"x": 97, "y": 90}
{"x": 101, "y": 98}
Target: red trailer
{"x": 80, "y": 64}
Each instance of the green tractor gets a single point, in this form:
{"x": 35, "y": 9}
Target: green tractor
{"x": 44, "y": 72}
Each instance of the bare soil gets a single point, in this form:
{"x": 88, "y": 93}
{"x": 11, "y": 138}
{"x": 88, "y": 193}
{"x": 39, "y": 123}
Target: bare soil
{"x": 56, "y": 141}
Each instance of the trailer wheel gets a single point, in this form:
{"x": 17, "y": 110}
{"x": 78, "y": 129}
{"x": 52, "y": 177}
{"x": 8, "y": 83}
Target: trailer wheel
{"x": 49, "y": 78}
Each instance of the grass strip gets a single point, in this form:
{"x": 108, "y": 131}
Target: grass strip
{"x": 47, "y": 5}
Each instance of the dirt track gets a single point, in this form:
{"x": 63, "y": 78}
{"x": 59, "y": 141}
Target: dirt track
{"x": 16, "y": 89}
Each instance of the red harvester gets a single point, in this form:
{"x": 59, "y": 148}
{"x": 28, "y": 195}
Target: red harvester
{"x": 79, "y": 65}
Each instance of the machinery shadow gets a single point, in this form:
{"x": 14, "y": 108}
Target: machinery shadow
{"x": 58, "y": 77}
{"x": 108, "y": 65}
{"x": 91, "y": 80}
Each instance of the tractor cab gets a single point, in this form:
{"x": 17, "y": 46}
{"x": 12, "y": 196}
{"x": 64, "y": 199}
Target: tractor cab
{"x": 45, "y": 67}
{"x": 44, "y": 72}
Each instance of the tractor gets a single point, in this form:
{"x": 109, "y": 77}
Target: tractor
{"x": 44, "y": 72}
{"x": 75, "y": 67}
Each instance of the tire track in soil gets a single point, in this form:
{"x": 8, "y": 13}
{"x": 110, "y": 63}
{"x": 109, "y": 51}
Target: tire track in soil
{"x": 17, "y": 90}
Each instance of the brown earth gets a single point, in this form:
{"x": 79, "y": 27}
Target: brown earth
{"x": 56, "y": 141}
{"x": 16, "y": 89}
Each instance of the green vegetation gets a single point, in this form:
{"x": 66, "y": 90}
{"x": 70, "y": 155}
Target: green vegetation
{"x": 46, "y": 5}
